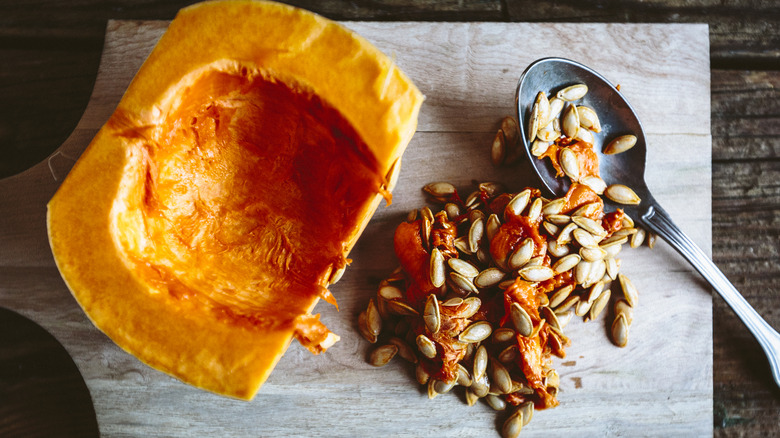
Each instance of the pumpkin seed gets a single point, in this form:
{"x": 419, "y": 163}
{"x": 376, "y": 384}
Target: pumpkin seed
{"x": 567, "y": 304}
{"x": 582, "y": 308}
{"x": 425, "y": 231}
{"x": 548, "y": 132}
{"x": 594, "y": 291}
{"x": 553, "y": 207}
{"x": 426, "y": 346}
{"x": 564, "y": 237}
{"x": 480, "y": 364}
{"x": 381, "y": 355}
{"x": 436, "y": 268}
{"x": 503, "y": 334}
{"x": 557, "y": 250}
{"x": 622, "y": 307}
{"x": 464, "y": 377}
{"x": 592, "y": 254}
{"x": 489, "y": 277}
{"x": 585, "y": 239}
{"x": 612, "y": 268}
{"x": 363, "y": 328}
{"x": 528, "y": 411}
{"x": 463, "y": 267}
{"x": 521, "y": 388}
{"x": 620, "y": 144}
{"x": 521, "y": 320}
{"x": 500, "y": 377}
{"x": 463, "y": 283}
{"x": 553, "y": 379}
{"x": 571, "y": 121}
{"x": 511, "y": 130}
{"x": 476, "y": 215}
{"x": 412, "y": 216}
{"x": 492, "y": 227}
{"x": 495, "y": 402}
{"x": 588, "y": 118}
{"x": 582, "y": 271}
{"x": 508, "y": 354}
{"x": 462, "y": 245}
{"x": 427, "y": 213}
{"x": 472, "y": 305}
{"x": 590, "y": 209}
{"x": 589, "y": 225}
{"x": 513, "y": 425}
{"x": 629, "y": 290}
{"x": 389, "y": 292}
{"x": 611, "y": 241}
{"x": 498, "y": 149}
{"x": 522, "y": 254}
{"x": 596, "y": 273}
{"x": 595, "y": 183}
{"x": 573, "y": 92}
{"x": 431, "y": 389}
{"x": 421, "y": 374}
{"x": 638, "y": 238}
{"x": 651, "y": 238}
{"x": 373, "y": 320}
{"x": 401, "y": 308}
{"x": 565, "y": 263}
{"x": 476, "y": 332}
{"x": 560, "y": 294}
{"x": 622, "y": 194}
{"x": 556, "y": 106}
{"x": 535, "y": 261}
{"x": 570, "y": 164}
{"x": 473, "y": 200}
{"x": 620, "y": 330}
{"x": 599, "y": 304}
{"x": 550, "y": 228}
{"x": 584, "y": 135}
{"x": 533, "y": 122}
{"x": 457, "y": 301}
{"x": 536, "y": 273}
{"x": 626, "y": 221}
{"x": 431, "y": 315}
{"x": 476, "y": 231}
{"x": 539, "y": 147}
{"x": 535, "y": 210}
{"x": 518, "y": 203}
{"x": 558, "y": 219}
{"x": 442, "y": 387}
{"x": 439, "y": 189}
{"x": 471, "y": 398}
{"x": 452, "y": 210}
{"x": 551, "y": 317}
{"x": 480, "y": 386}
{"x": 544, "y": 106}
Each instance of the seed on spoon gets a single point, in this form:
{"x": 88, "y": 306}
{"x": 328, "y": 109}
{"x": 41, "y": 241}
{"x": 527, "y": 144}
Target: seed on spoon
{"x": 620, "y": 144}
{"x": 595, "y": 183}
{"x": 539, "y": 147}
{"x": 544, "y": 107}
{"x": 588, "y": 118}
{"x": 533, "y": 123}
{"x": 570, "y": 164}
{"x": 573, "y": 92}
{"x": 548, "y": 132}
{"x": 622, "y": 194}
{"x": 556, "y": 106}
{"x": 571, "y": 121}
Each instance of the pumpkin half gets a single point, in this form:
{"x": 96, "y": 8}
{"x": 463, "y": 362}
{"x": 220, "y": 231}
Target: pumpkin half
{"x": 210, "y": 213}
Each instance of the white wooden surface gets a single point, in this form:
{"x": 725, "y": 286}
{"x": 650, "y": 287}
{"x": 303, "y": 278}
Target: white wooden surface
{"x": 660, "y": 385}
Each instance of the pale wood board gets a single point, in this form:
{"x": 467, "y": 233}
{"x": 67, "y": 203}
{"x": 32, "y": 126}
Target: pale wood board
{"x": 660, "y": 385}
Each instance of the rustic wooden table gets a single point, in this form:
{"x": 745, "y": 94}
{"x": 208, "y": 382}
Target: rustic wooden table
{"x": 49, "y": 54}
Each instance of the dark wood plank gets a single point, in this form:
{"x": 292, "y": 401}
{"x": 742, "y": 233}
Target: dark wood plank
{"x": 741, "y": 32}
{"x": 745, "y": 236}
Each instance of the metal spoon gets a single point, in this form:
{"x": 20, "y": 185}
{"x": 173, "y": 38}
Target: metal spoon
{"x": 618, "y": 118}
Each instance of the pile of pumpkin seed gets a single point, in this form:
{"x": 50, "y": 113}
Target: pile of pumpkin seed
{"x": 576, "y": 245}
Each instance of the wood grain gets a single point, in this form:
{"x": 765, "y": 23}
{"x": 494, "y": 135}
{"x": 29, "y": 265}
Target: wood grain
{"x": 468, "y": 73}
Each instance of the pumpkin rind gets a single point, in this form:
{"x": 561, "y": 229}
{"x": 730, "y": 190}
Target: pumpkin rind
{"x": 89, "y": 216}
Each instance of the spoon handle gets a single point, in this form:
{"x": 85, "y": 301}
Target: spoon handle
{"x": 658, "y": 221}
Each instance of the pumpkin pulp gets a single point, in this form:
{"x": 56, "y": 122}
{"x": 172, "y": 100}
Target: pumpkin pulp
{"x": 241, "y": 202}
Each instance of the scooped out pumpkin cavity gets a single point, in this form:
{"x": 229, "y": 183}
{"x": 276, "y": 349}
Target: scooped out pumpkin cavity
{"x": 212, "y": 210}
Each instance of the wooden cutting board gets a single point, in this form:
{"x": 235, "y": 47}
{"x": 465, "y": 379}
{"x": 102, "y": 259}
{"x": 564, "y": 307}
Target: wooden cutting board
{"x": 660, "y": 385}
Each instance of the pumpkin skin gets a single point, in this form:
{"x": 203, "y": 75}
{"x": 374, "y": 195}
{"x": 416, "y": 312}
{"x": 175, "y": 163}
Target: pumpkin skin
{"x": 205, "y": 219}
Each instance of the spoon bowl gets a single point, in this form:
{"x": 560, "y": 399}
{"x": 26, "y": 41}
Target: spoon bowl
{"x": 617, "y": 118}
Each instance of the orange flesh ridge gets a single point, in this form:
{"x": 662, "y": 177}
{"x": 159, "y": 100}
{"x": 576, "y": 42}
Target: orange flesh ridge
{"x": 243, "y": 201}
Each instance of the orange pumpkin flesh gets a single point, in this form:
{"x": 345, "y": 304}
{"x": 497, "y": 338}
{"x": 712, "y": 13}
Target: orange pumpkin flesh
{"x": 204, "y": 221}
